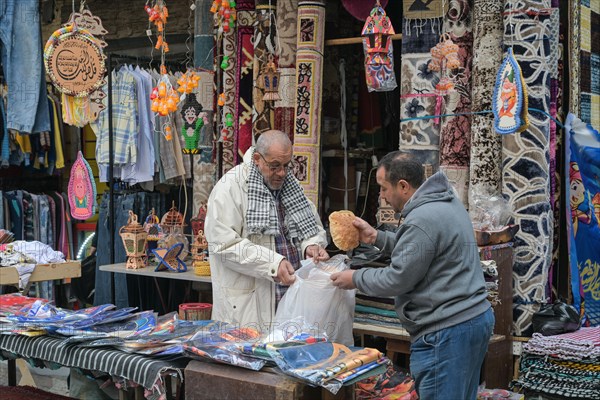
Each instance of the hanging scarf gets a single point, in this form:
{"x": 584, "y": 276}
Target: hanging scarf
{"x": 262, "y": 215}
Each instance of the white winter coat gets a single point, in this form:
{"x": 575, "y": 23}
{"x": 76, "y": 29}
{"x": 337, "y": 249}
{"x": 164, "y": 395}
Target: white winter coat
{"x": 242, "y": 266}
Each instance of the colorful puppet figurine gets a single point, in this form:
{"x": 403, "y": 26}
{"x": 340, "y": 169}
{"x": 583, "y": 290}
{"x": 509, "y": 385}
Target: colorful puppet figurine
{"x": 193, "y": 122}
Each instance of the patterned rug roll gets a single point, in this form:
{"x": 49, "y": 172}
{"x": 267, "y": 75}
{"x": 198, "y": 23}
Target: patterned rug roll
{"x": 229, "y": 88}
{"x": 244, "y": 79}
{"x": 287, "y": 19}
{"x": 590, "y": 62}
{"x": 525, "y": 158}
{"x": 455, "y": 138}
{"x": 420, "y": 137}
{"x": 486, "y": 144}
{"x": 264, "y": 47}
{"x": 309, "y": 71}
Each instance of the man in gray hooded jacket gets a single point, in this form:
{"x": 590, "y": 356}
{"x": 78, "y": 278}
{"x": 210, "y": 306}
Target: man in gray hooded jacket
{"x": 435, "y": 276}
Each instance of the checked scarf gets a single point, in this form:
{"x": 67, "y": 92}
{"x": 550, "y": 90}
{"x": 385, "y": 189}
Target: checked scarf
{"x": 262, "y": 212}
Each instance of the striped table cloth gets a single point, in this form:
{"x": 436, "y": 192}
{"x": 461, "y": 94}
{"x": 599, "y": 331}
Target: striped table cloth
{"x": 143, "y": 370}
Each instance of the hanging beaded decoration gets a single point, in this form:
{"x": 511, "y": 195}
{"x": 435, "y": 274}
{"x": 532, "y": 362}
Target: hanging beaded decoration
{"x": 509, "y": 102}
{"x": 82, "y": 189}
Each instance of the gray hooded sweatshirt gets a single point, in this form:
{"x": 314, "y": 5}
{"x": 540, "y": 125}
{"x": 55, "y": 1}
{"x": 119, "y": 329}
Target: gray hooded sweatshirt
{"x": 435, "y": 272}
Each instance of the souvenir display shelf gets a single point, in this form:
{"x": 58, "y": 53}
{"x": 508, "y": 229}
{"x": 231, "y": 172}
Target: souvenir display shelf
{"x": 189, "y": 275}
{"x": 42, "y": 272}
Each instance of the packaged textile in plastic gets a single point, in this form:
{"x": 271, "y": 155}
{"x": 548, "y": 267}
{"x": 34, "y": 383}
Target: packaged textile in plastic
{"x": 321, "y": 363}
{"x": 220, "y": 345}
{"x": 323, "y": 306}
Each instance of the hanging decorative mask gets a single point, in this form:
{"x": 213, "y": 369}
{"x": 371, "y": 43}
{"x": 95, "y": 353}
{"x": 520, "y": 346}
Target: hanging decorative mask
{"x": 193, "y": 121}
{"x": 82, "y": 189}
{"x": 509, "y": 102}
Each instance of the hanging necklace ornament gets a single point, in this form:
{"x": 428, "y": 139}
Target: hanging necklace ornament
{"x": 270, "y": 76}
{"x": 74, "y": 61}
{"x": 444, "y": 57}
{"x": 193, "y": 122}
{"x": 378, "y": 49}
{"x": 224, "y": 14}
{"x": 188, "y": 82}
{"x": 509, "y": 102}
{"x": 82, "y": 189}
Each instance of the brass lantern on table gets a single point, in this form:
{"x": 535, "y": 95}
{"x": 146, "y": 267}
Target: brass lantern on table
{"x": 134, "y": 240}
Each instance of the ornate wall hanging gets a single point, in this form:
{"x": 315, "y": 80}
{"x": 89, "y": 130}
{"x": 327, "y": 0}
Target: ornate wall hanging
{"x": 509, "y": 103}
{"x": 377, "y": 45}
{"x": 74, "y": 61}
{"x": 82, "y": 189}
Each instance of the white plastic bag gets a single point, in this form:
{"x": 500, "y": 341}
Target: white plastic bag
{"x": 325, "y": 307}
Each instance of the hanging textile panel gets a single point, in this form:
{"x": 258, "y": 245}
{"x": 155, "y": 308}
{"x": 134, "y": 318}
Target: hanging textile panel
{"x": 264, "y": 46}
{"x": 229, "y": 88}
{"x": 455, "y": 138}
{"x": 486, "y": 144}
{"x": 244, "y": 81}
{"x": 287, "y": 18}
{"x": 590, "y": 62}
{"x": 525, "y": 158}
{"x": 203, "y": 166}
{"x": 418, "y": 99}
{"x": 583, "y": 215}
{"x": 309, "y": 74}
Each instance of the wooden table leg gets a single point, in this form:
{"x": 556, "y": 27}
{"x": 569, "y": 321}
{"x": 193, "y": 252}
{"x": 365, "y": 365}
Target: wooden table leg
{"x": 12, "y": 372}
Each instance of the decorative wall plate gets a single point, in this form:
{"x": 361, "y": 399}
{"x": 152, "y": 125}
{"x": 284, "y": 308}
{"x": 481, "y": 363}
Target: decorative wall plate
{"x": 74, "y": 61}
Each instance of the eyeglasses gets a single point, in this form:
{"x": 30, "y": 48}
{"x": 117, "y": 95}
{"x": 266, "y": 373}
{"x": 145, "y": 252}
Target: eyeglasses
{"x": 277, "y": 167}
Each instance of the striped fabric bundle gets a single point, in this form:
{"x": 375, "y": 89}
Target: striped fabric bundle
{"x": 147, "y": 371}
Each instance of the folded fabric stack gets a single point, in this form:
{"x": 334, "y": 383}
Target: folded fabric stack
{"x": 376, "y": 311}
{"x": 565, "y": 365}
{"x": 490, "y": 273}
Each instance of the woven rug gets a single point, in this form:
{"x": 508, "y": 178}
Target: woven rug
{"x": 229, "y": 88}
{"x": 265, "y": 31}
{"x": 29, "y": 393}
{"x": 309, "y": 64}
{"x": 244, "y": 81}
{"x": 486, "y": 144}
{"x": 590, "y": 62}
{"x": 420, "y": 137}
{"x": 287, "y": 26}
{"x": 455, "y": 137}
{"x": 525, "y": 160}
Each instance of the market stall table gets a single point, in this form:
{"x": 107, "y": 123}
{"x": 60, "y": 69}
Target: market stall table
{"x": 42, "y": 272}
{"x": 133, "y": 367}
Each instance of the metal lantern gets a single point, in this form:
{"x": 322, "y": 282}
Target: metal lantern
{"x": 134, "y": 239}
{"x": 199, "y": 247}
{"x": 172, "y": 221}
{"x": 198, "y": 221}
{"x": 270, "y": 81}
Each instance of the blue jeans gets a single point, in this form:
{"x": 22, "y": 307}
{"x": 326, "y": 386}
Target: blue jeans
{"x": 21, "y": 55}
{"x": 446, "y": 364}
{"x": 103, "y": 292}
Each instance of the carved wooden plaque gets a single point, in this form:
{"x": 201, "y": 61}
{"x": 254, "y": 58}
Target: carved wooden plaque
{"x": 75, "y": 64}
